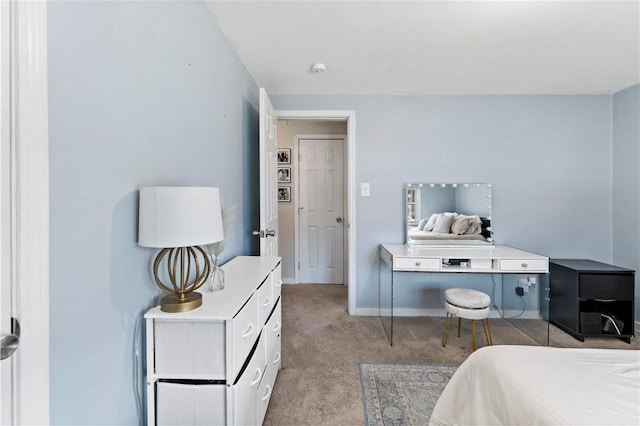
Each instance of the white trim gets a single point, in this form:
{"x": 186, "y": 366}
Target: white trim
{"x": 350, "y": 116}
{"x": 32, "y": 224}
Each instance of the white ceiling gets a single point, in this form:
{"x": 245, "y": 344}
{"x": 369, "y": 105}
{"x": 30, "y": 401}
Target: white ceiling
{"x": 436, "y": 47}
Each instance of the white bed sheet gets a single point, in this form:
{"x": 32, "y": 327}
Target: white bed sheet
{"x": 527, "y": 385}
{"x": 428, "y": 235}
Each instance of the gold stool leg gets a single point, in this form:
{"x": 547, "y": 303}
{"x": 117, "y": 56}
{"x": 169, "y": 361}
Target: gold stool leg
{"x": 447, "y": 325}
{"x": 487, "y": 331}
{"x": 459, "y": 322}
{"x": 473, "y": 334}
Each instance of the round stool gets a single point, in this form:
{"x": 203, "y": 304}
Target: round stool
{"x": 469, "y": 304}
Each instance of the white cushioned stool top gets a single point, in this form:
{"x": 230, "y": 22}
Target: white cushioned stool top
{"x": 467, "y": 298}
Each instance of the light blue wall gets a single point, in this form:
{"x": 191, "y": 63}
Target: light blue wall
{"x": 140, "y": 93}
{"x": 626, "y": 182}
{"x": 547, "y": 157}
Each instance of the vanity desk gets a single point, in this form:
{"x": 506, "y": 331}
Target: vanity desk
{"x": 442, "y": 259}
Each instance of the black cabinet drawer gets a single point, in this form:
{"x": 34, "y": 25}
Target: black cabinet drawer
{"x": 606, "y": 286}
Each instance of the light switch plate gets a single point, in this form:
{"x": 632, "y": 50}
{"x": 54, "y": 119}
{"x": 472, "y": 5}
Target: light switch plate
{"x": 365, "y": 189}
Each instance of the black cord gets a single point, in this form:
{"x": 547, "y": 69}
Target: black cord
{"x": 493, "y": 297}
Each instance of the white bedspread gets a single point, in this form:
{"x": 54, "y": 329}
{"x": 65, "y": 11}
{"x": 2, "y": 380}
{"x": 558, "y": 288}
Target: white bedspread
{"x": 527, "y": 385}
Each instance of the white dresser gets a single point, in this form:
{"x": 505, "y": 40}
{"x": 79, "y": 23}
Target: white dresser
{"x": 218, "y": 363}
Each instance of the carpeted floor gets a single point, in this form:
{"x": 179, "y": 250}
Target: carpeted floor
{"x": 322, "y": 345}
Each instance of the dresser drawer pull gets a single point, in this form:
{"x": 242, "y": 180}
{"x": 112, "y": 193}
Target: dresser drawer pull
{"x": 249, "y": 331}
{"x": 258, "y": 377}
{"x": 525, "y": 265}
{"x": 267, "y": 301}
{"x": 275, "y": 361}
{"x": 279, "y": 283}
{"x": 267, "y": 394}
{"x": 418, "y": 263}
{"x": 276, "y": 326}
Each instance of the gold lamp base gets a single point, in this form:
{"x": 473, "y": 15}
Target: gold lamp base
{"x": 181, "y": 295}
{"x": 172, "y": 303}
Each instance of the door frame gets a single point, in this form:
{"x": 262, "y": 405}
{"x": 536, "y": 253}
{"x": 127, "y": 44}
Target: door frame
{"x": 30, "y": 211}
{"x": 350, "y": 117}
{"x": 296, "y": 204}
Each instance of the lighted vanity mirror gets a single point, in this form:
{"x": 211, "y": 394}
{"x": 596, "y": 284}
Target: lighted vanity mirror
{"x": 448, "y": 214}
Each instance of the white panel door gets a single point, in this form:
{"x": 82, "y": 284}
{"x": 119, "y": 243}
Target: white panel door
{"x": 321, "y": 194}
{"x": 5, "y": 214}
{"x": 268, "y": 185}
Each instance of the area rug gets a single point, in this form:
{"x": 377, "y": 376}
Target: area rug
{"x": 401, "y": 394}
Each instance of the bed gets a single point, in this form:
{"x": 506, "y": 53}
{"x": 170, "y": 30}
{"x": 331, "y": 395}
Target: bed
{"x": 450, "y": 226}
{"x": 520, "y": 385}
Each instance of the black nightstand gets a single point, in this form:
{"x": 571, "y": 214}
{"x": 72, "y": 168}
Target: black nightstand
{"x": 591, "y": 298}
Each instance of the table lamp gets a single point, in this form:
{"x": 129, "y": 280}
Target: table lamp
{"x": 179, "y": 220}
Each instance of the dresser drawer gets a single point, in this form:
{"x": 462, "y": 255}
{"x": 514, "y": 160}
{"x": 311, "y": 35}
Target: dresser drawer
{"x": 191, "y": 404}
{"x": 266, "y": 389}
{"x": 272, "y": 330}
{"x": 416, "y": 264}
{"x": 189, "y": 349}
{"x": 244, "y": 392}
{"x": 276, "y": 277}
{"x": 524, "y": 265}
{"x": 265, "y": 300}
{"x": 244, "y": 332}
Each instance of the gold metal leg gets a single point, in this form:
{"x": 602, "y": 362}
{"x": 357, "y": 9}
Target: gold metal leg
{"x": 487, "y": 331}
{"x": 459, "y": 322}
{"x": 447, "y": 325}
{"x": 473, "y": 334}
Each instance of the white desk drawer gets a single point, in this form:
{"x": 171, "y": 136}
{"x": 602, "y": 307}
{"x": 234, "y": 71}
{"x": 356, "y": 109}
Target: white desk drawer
{"x": 416, "y": 264}
{"x": 524, "y": 265}
{"x": 244, "y": 331}
{"x": 189, "y": 349}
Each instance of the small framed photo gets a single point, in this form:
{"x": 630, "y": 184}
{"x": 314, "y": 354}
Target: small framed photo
{"x": 284, "y": 174}
{"x": 284, "y": 194}
{"x": 284, "y": 155}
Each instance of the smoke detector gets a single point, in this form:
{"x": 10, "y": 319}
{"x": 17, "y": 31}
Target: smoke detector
{"x": 318, "y": 68}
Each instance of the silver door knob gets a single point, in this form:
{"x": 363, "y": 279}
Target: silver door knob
{"x": 339, "y": 220}
{"x": 9, "y": 342}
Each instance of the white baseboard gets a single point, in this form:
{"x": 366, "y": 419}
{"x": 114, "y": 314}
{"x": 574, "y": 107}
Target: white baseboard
{"x": 414, "y": 312}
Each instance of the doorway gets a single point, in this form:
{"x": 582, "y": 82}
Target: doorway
{"x": 333, "y": 123}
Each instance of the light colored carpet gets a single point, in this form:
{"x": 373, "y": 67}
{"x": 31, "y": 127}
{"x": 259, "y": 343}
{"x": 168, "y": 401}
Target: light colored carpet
{"x": 401, "y": 394}
{"x": 322, "y": 346}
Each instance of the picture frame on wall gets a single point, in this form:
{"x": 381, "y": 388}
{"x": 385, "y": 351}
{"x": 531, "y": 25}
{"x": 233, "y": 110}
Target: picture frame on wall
{"x": 284, "y": 155}
{"x": 284, "y": 194}
{"x": 284, "y": 174}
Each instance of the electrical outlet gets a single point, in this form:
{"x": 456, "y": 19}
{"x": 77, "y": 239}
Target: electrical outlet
{"x": 532, "y": 281}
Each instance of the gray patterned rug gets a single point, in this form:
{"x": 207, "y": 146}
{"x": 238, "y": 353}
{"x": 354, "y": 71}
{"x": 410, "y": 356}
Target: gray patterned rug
{"x": 401, "y": 394}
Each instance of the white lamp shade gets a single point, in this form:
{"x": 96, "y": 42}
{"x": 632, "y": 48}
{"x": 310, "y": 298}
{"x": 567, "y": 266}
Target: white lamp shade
{"x": 174, "y": 216}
